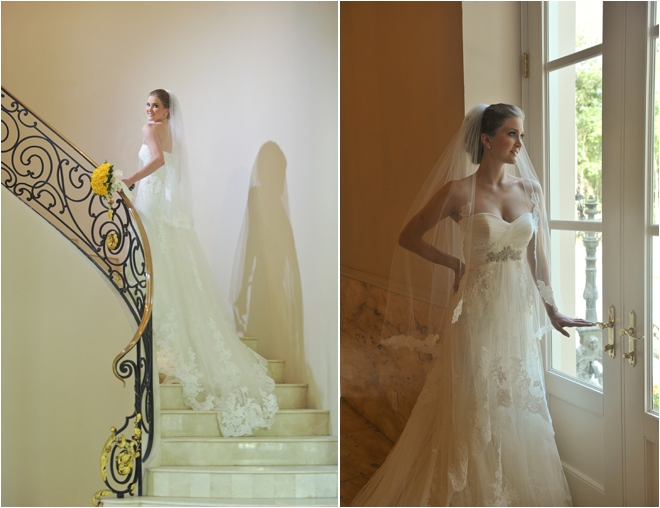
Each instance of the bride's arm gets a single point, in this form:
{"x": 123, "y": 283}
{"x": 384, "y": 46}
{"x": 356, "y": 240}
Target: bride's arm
{"x": 439, "y": 207}
{"x": 152, "y": 140}
{"x": 538, "y": 263}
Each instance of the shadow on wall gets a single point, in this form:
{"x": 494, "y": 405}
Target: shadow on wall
{"x": 266, "y": 290}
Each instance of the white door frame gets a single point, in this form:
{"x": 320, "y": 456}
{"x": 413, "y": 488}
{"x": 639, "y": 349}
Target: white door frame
{"x": 627, "y": 430}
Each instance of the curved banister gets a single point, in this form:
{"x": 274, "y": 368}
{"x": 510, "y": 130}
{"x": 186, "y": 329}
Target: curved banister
{"x": 148, "y": 304}
{"x": 52, "y": 175}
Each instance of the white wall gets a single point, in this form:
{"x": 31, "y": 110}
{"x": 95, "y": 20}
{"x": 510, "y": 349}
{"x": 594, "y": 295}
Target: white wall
{"x": 246, "y": 74}
{"x": 492, "y": 57}
{"x": 61, "y": 329}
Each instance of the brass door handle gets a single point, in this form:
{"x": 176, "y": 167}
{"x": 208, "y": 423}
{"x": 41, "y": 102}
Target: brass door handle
{"x": 630, "y": 332}
{"x": 609, "y": 347}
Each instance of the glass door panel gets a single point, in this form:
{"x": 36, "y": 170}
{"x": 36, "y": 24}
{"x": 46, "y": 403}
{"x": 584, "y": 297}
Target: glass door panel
{"x": 573, "y": 26}
{"x": 654, "y": 166}
{"x": 577, "y": 257}
{"x": 575, "y": 117}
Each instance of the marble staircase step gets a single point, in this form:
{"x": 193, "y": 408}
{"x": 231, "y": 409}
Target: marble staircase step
{"x": 288, "y": 422}
{"x": 276, "y": 370}
{"x": 249, "y": 451}
{"x": 289, "y": 396}
{"x": 233, "y": 502}
{"x": 242, "y": 482}
{"x": 251, "y": 342}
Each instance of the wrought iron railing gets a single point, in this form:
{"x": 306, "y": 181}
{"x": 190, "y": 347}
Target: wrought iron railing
{"x": 52, "y": 176}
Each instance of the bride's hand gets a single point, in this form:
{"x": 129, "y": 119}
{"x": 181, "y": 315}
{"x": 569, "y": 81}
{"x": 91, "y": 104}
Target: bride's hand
{"x": 458, "y": 274}
{"x": 129, "y": 183}
{"x": 559, "y": 321}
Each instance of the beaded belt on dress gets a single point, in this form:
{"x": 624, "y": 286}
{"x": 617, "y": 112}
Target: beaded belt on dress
{"x": 506, "y": 254}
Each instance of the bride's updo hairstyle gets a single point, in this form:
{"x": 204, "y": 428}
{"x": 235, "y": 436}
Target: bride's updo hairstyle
{"x": 493, "y": 118}
{"x": 163, "y": 96}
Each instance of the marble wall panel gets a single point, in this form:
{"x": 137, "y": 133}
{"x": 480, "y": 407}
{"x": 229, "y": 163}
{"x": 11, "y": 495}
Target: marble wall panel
{"x": 372, "y": 373}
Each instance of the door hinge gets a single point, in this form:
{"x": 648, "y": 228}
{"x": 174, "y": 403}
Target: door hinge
{"x": 525, "y": 65}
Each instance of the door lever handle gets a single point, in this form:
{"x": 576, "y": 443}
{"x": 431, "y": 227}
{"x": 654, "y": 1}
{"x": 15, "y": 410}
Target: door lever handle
{"x": 609, "y": 347}
{"x": 630, "y": 332}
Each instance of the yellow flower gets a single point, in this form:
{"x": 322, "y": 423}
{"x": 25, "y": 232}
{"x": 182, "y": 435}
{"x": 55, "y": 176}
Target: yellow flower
{"x": 101, "y": 179}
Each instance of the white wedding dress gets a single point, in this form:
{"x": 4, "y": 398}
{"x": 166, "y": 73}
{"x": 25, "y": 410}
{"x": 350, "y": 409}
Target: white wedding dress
{"x": 480, "y": 433}
{"x": 194, "y": 338}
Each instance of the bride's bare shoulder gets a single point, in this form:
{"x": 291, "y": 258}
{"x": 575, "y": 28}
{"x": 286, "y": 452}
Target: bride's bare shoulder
{"x": 155, "y": 127}
{"x": 453, "y": 196}
{"x": 526, "y": 184}
{"x": 461, "y": 190}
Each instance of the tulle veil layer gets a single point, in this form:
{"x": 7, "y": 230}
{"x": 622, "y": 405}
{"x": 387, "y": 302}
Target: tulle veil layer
{"x": 480, "y": 432}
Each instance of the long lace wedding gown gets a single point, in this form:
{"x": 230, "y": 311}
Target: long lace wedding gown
{"x": 195, "y": 340}
{"x": 480, "y": 433}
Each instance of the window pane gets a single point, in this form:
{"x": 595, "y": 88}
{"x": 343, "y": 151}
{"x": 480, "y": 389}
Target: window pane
{"x": 575, "y": 148}
{"x": 577, "y": 256}
{"x": 656, "y": 138}
{"x": 573, "y": 26}
{"x": 656, "y": 322}
{"x": 655, "y": 168}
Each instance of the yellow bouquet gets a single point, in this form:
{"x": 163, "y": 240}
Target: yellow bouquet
{"x": 105, "y": 181}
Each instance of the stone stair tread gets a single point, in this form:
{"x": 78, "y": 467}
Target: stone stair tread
{"x": 281, "y": 385}
{"x": 287, "y": 422}
{"x": 277, "y": 385}
{"x": 325, "y": 469}
{"x": 296, "y": 457}
{"x": 289, "y": 395}
{"x": 247, "y": 439}
{"x": 284, "y": 411}
{"x": 249, "y": 451}
{"x": 205, "y": 501}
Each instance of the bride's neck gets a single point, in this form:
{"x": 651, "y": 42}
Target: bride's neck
{"x": 490, "y": 172}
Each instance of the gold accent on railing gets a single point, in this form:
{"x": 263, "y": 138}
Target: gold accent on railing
{"x": 107, "y": 448}
{"x": 96, "y": 498}
{"x": 112, "y": 240}
{"x": 124, "y": 461}
{"x": 148, "y": 304}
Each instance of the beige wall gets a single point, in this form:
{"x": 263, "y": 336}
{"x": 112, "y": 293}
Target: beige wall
{"x": 61, "y": 328}
{"x": 247, "y": 74}
{"x": 492, "y": 57}
{"x": 401, "y": 103}
{"x": 394, "y": 127}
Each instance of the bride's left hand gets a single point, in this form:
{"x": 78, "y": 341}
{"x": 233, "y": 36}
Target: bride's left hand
{"x": 559, "y": 321}
{"x": 129, "y": 183}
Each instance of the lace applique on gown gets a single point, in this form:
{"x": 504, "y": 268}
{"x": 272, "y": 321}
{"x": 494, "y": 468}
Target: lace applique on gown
{"x": 194, "y": 337}
{"x": 480, "y": 433}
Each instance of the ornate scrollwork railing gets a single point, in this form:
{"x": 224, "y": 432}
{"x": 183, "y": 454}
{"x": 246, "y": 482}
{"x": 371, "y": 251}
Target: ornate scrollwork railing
{"x": 52, "y": 176}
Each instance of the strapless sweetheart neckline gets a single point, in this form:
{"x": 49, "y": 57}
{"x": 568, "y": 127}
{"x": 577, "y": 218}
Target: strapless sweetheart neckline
{"x": 498, "y": 217}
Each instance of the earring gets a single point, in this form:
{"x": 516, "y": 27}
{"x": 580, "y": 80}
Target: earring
{"x": 489, "y": 147}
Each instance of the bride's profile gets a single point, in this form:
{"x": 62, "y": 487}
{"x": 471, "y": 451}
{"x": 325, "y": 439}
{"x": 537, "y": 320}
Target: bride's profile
{"x": 195, "y": 341}
{"x": 476, "y": 247}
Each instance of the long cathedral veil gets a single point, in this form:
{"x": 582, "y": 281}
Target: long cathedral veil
{"x": 415, "y": 282}
{"x": 195, "y": 339}
{"x": 426, "y": 467}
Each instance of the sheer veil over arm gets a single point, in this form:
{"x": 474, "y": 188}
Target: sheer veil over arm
{"x": 448, "y": 196}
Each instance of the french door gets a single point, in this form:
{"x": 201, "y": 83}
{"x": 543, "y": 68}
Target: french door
{"x": 592, "y": 123}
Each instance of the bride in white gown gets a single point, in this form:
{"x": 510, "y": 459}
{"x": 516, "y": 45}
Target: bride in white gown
{"x": 195, "y": 340}
{"x": 480, "y": 433}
